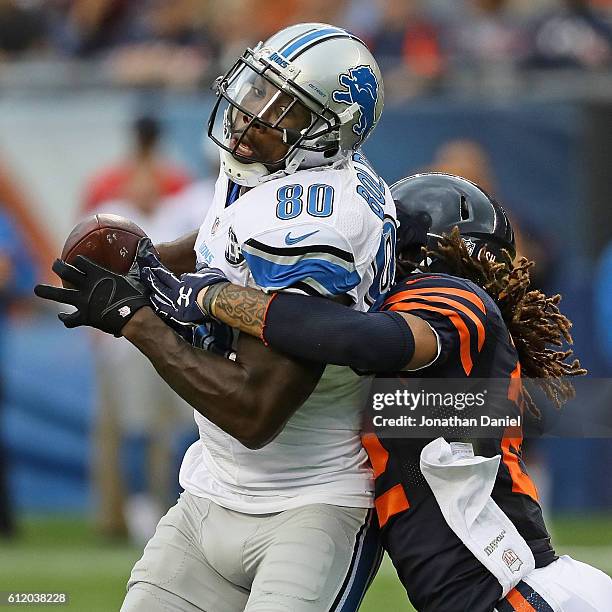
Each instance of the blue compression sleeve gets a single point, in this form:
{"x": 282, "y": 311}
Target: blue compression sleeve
{"x": 321, "y": 330}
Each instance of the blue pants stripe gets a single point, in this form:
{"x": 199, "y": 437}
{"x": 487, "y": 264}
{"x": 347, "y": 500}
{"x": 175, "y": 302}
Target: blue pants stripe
{"x": 367, "y": 556}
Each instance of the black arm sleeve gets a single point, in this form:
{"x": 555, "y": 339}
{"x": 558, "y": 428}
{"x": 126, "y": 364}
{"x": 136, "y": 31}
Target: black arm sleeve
{"x": 321, "y": 330}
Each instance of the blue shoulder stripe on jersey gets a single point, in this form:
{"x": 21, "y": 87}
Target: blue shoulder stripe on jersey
{"x": 309, "y": 37}
{"x": 334, "y": 279}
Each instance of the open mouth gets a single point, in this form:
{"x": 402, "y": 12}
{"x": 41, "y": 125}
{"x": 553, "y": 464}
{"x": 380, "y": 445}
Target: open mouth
{"x": 244, "y": 149}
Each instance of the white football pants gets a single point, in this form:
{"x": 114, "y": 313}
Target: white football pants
{"x": 204, "y": 557}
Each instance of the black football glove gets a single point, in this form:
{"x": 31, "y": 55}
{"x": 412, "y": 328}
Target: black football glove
{"x": 173, "y": 298}
{"x": 164, "y": 287}
{"x": 103, "y": 299}
{"x": 147, "y": 256}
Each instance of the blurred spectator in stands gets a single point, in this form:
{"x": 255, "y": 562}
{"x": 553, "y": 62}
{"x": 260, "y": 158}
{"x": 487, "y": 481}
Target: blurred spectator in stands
{"x": 407, "y": 48}
{"x": 84, "y": 28}
{"x": 362, "y": 17}
{"x": 22, "y": 28}
{"x": 144, "y": 174}
{"x": 241, "y": 23}
{"x": 175, "y": 46}
{"x": 17, "y": 278}
{"x": 259, "y": 19}
{"x": 321, "y": 11}
{"x": 486, "y": 40}
{"x": 573, "y": 36}
{"x": 238, "y": 24}
{"x": 465, "y": 158}
{"x": 469, "y": 159}
{"x": 146, "y": 42}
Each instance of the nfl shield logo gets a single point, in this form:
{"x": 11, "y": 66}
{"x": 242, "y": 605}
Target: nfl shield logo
{"x": 511, "y": 560}
{"x": 470, "y": 245}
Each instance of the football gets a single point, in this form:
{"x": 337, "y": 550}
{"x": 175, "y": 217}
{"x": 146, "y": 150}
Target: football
{"x": 109, "y": 240}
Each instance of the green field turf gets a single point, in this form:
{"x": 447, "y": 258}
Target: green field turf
{"x": 62, "y": 554}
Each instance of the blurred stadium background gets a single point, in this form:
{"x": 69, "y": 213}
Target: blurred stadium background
{"x": 103, "y": 105}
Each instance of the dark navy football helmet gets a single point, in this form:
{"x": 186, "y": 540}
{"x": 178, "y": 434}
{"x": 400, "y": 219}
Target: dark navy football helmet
{"x": 433, "y": 203}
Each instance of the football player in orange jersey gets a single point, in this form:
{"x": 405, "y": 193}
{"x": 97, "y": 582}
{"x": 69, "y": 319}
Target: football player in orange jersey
{"x": 471, "y": 314}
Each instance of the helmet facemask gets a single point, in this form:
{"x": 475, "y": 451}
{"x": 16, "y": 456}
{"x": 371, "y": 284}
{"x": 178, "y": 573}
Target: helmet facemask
{"x": 266, "y": 122}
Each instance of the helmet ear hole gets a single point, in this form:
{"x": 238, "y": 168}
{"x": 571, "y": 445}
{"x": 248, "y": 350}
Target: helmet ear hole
{"x": 464, "y": 209}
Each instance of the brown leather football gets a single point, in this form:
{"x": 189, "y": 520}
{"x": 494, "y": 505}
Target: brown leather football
{"x": 109, "y": 240}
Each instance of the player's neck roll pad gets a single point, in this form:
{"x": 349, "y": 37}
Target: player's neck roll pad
{"x": 462, "y": 485}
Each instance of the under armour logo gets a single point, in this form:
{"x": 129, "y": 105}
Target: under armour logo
{"x": 124, "y": 311}
{"x": 184, "y": 296}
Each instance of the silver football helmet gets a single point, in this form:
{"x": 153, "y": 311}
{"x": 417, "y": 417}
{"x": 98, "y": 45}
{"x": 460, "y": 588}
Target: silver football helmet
{"x": 306, "y": 97}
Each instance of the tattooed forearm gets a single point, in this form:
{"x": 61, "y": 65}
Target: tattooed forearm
{"x": 242, "y": 308}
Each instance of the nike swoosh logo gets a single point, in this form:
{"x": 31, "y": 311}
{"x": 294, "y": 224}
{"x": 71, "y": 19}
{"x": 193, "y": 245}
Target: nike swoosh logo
{"x": 289, "y": 240}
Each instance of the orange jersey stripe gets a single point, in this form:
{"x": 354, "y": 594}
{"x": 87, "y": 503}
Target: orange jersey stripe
{"x": 460, "y": 326}
{"x": 466, "y": 295}
{"x": 521, "y": 483}
{"x": 516, "y": 386}
{"x": 376, "y": 452}
{"x": 462, "y": 308}
{"x": 518, "y": 602}
{"x": 391, "y": 502}
{"x": 513, "y": 438}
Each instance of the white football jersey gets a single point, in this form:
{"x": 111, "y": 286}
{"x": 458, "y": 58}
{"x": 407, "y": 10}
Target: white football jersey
{"x": 326, "y": 231}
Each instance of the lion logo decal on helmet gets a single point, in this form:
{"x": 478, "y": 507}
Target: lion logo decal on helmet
{"x": 362, "y": 88}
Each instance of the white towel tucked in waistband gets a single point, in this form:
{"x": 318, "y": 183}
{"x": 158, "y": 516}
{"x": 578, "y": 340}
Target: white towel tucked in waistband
{"x": 462, "y": 485}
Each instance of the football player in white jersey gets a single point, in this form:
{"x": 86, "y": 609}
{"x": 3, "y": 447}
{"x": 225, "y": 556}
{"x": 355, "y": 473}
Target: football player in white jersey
{"x": 278, "y": 492}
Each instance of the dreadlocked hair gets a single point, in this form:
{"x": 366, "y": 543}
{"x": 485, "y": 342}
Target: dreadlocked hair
{"x": 533, "y": 318}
